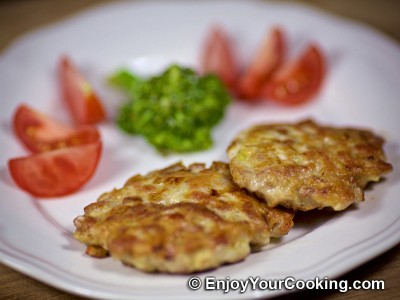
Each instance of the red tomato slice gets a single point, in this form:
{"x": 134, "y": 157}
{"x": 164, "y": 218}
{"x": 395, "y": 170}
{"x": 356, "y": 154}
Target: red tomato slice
{"x": 40, "y": 133}
{"x": 85, "y": 106}
{"x": 297, "y": 81}
{"x": 56, "y": 173}
{"x": 218, "y": 57}
{"x": 268, "y": 58}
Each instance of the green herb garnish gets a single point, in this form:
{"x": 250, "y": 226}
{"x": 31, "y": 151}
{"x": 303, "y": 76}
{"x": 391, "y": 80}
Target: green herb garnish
{"x": 174, "y": 111}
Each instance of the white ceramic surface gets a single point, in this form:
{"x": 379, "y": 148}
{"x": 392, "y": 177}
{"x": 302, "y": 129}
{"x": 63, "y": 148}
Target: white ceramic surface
{"x": 362, "y": 89}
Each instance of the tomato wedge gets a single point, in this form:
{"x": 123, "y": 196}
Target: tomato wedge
{"x": 218, "y": 57}
{"x": 297, "y": 81}
{"x": 40, "y": 133}
{"x": 268, "y": 58}
{"x": 84, "y": 104}
{"x": 56, "y": 173}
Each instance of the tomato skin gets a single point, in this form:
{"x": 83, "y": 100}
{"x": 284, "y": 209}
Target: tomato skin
{"x": 218, "y": 57}
{"x": 85, "y": 106}
{"x": 297, "y": 81}
{"x": 268, "y": 58}
{"x": 40, "y": 133}
{"x": 58, "y": 172}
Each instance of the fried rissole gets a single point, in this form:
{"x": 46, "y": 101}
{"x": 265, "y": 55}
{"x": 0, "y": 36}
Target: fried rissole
{"x": 304, "y": 166}
{"x": 180, "y": 220}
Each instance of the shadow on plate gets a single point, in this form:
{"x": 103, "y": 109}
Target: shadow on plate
{"x": 5, "y": 177}
{"x": 309, "y": 220}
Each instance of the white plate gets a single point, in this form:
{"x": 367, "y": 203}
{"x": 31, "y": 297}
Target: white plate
{"x": 361, "y": 89}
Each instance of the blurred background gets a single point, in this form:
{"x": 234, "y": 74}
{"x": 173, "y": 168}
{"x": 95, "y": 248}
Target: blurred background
{"x": 20, "y": 16}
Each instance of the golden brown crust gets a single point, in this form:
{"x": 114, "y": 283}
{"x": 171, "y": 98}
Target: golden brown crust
{"x": 305, "y": 166}
{"x": 180, "y": 220}
{"x": 96, "y": 251}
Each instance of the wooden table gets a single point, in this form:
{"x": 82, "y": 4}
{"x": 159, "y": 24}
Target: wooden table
{"x": 17, "y": 17}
